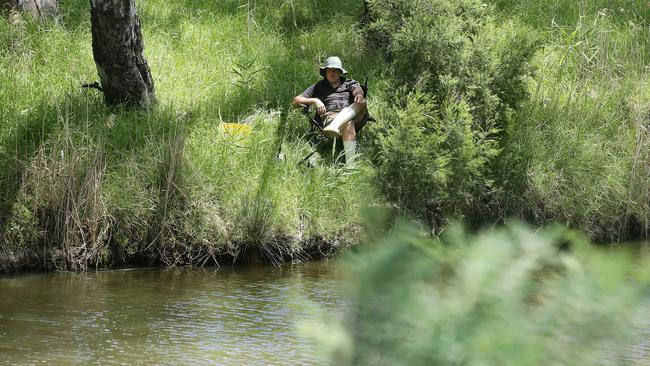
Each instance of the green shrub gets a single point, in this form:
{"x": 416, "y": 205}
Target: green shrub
{"x": 432, "y": 162}
{"x": 454, "y": 50}
{"x": 436, "y": 150}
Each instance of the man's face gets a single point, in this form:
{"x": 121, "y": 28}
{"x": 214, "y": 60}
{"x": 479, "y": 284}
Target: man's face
{"x": 332, "y": 75}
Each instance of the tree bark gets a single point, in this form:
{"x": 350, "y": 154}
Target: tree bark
{"x": 117, "y": 48}
{"x": 39, "y": 8}
{"x": 365, "y": 17}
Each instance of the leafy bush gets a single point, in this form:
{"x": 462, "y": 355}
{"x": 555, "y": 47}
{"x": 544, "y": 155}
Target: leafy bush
{"x": 433, "y": 163}
{"x": 435, "y": 153}
{"x": 454, "y": 50}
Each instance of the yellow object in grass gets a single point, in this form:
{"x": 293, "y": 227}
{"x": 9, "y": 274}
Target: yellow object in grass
{"x": 236, "y": 129}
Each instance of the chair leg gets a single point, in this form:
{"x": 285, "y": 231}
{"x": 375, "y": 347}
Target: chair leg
{"x": 311, "y": 153}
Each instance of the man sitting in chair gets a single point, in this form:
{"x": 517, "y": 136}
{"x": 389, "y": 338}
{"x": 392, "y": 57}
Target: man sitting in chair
{"x": 340, "y": 104}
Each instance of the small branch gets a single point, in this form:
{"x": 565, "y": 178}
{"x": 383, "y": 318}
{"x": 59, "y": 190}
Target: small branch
{"x": 94, "y": 85}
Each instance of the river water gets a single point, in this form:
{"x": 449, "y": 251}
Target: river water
{"x": 225, "y": 316}
{"x": 187, "y": 316}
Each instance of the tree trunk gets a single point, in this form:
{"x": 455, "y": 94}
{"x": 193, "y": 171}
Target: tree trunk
{"x": 39, "y": 8}
{"x": 117, "y": 49}
{"x": 365, "y": 17}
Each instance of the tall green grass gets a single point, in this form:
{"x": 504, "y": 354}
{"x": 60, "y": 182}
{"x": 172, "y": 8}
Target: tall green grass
{"x": 83, "y": 185}
{"x": 580, "y": 146}
{"x": 543, "y": 13}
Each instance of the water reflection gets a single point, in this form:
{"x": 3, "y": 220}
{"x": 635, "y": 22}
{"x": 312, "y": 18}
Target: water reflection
{"x": 153, "y": 316}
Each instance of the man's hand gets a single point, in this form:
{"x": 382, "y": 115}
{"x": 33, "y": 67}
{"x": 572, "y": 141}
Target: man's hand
{"x": 320, "y": 107}
{"x": 359, "y": 99}
{"x": 300, "y": 100}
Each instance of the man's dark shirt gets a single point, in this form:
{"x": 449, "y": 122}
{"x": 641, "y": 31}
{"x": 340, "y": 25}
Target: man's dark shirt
{"x": 334, "y": 99}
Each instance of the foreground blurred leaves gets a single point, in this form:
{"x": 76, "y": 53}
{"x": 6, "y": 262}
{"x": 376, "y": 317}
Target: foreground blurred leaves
{"x": 505, "y": 297}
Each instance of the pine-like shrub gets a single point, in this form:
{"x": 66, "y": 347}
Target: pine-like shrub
{"x": 435, "y": 150}
{"x": 431, "y": 161}
{"x": 455, "y": 51}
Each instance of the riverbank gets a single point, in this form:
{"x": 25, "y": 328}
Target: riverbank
{"x": 82, "y": 185}
{"x": 114, "y": 188}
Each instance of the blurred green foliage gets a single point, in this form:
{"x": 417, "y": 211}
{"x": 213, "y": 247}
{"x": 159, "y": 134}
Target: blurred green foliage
{"x": 507, "y": 296}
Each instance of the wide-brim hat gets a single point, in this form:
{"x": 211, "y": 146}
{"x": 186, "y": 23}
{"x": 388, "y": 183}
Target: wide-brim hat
{"x": 333, "y": 63}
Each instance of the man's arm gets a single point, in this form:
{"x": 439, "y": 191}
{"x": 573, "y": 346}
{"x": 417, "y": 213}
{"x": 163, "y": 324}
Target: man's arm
{"x": 320, "y": 107}
{"x": 298, "y": 100}
{"x": 357, "y": 92}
